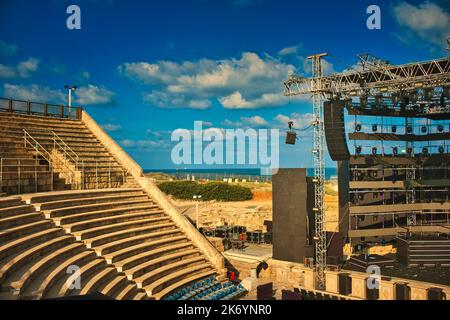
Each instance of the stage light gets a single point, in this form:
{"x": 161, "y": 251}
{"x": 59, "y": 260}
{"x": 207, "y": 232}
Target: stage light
{"x": 395, "y": 151}
{"x": 394, "y": 129}
{"x": 425, "y": 151}
{"x": 291, "y": 137}
{"x": 384, "y": 89}
{"x": 424, "y": 129}
{"x": 440, "y": 128}
{"x": 358, "y": 150}
{"x": 374, "y": 150}
{"x": 441, "y": 149}
{"x": 409, "y": 129}
{"x": 374, "y": 128}
{"x": 358, "y": 127}
{"x": 409, "y": 151}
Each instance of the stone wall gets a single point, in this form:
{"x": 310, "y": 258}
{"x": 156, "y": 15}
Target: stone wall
{"x": 157, "y": 195}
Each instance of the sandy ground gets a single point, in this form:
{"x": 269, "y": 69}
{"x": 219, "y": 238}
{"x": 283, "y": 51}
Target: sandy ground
{"x": 253, "y": 213}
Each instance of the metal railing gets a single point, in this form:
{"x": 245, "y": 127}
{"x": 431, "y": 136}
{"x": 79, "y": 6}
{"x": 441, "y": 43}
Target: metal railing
{"x": 67, "y": 152}
{"x": 30, "y": 141}
{"x": 43, "y": 109}
{"x": 24, "y": 167}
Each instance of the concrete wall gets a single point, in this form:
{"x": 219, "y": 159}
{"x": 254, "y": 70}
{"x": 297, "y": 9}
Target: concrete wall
{"x": 157, "y": 195}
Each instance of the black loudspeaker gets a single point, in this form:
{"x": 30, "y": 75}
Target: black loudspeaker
{"x": 265, "y": 291}
{"x": 291, "y": 225}
{"x": 335, "y": 130}
{"x": 401, "y": 291}
{"x": 345, "y": 284}
{"x": 435, "y": 294}
{"x": 291, "y": 137}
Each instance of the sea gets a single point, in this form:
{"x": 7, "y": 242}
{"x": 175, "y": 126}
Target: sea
{"x": 219, "y": 174}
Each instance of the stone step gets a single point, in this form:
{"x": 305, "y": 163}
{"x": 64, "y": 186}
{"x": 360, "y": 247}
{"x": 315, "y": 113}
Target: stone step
{"x": 138, "y": 259}
{"x": 55, "y": 257}
{"x": 100, "y": 206}
{"x": 113, "y": 257}
{"x": 16, "y": 208}
{"x": 34, "y": 253}
{"x": 78, "y": 194}
{"x": 24, "y": 230}
{"x": 154, "y": 264}
{"x": 18, "y": 220}
{"x": 108, "y": 221}
{"x": 91, "y": 268}
{"x": 107, "y": 238}
{"x": 121, "y": 244}
{"x": 134, "y": 195}
{"x": 154, "y": 275}
{"x": 14, "y": 247}
{"x": 60, "y": 271}
{"x": 7, "y": 202}
{"x": 104, "y": 214}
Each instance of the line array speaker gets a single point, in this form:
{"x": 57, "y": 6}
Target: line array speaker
{"x": 335, "y": 130}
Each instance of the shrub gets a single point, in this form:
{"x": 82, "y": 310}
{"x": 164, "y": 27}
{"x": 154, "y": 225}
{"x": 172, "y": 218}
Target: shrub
{"x": 219, "y": 191}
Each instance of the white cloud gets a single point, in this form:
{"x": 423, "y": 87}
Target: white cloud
{"x": 7, "y": 49}
{"x": 110, "y": 127}
{"x": 247, "y": 122}
{"x": 93, "y": 95}
{"x": 34, "y": 92}
{"x": 427, "y": 20}
{"x": 23, "y": 69}
{"x": 289, "y": 50}
{"x": 301, "y": 120}
{"x": 89, "y": 95}
{"x": 245, "y": 83}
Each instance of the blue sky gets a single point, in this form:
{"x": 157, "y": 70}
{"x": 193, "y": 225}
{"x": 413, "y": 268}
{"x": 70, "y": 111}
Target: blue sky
{"x": 146, "y": 68}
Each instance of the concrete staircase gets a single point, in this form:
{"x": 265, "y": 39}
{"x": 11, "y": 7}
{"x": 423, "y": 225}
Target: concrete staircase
{"x": 68, "y": 138}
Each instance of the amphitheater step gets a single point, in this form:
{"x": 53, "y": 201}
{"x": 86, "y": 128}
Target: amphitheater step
{"x": 141, "y": 258}
{"x": 108, "y": 238}
{"x": 142, "y": 247}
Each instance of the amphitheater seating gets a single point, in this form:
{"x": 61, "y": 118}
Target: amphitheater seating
{"x": 35, "y": 255}
{"x": 121, "y": 242}
{"x": 208, "y": 289}
{"x": 120, "y": 239}
{"x": 100, "y": 168}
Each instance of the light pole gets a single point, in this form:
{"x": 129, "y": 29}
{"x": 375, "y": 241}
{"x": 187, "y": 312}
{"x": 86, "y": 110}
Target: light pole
{"x": 70, "y": 88}
{"x": 196, "y": 209}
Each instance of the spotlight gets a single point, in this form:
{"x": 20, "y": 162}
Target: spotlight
{"x": 358, "y": 150}
{"x": 374, "y": 150}
{"x": 440, "y": 128}
{"x": 394, "y": 129}
{"x": 409, "y": 129}
{"x": 424, "y": 129}
{"x": 291, "y": 137}
{"x": 425, "y": 151}
{"x": 409, "y": 151}
{"x": 441, "y": 150}
{"x": 358, "y": 127}
{"x": 374, "y": 128}
{"x": 395, "y": 151}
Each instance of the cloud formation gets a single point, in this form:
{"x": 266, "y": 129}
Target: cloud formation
{"x": 23, "y": 69}
{"x": 88, "y": 95}
{"x": 249, "y": 82}
{"x": 428, "y": 21}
